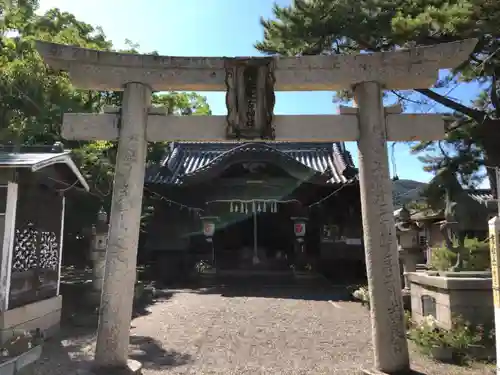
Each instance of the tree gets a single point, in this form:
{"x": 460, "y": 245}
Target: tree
{"x": 34, "y": 98}
{"x": 311, "y": 27}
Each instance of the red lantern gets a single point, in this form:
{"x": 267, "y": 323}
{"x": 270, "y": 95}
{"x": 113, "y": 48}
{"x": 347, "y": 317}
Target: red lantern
{"x": 209, "y": 229}
{"x": 299, "y": 226}
{"x": 300, "y": 229}
{"x": 209, "y": 226}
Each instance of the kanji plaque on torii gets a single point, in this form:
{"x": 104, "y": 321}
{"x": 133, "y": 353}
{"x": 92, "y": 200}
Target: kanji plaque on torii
{"x": 370, "y": 125}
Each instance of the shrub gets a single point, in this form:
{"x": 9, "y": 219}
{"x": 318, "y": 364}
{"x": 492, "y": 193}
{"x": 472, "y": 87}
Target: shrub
{"x": 362, "y": 294}
{"x": 408, "y": 320}
{"x": 442, "y": 259}
{"x": 477, "y": 256}
{"x": 202, "y": 266}
{"x": 427, "y": 335}
{"x": 461, "y": 337}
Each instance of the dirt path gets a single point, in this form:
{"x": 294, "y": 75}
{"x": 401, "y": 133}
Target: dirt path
{"x": 235, "y": 333}
{"x": 247, "y": 332}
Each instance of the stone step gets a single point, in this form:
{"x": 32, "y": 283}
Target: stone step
{"x": 261, "y": 278}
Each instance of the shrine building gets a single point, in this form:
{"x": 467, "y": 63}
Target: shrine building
{"x": 254, "y": 193}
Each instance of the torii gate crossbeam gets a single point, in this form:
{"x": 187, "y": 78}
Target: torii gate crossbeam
{"x": 370, "y": 125}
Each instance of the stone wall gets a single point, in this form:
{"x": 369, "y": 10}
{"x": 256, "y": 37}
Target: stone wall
{"x": 450, "y": 294}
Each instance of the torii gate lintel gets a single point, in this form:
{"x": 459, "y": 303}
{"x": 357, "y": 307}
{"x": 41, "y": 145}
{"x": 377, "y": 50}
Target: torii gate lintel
{"x": 341, "y": 128}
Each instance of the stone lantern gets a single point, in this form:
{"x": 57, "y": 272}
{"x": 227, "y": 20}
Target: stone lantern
{"x": 99, "y": 242}
{"x": 209, "y": 226}
{"x": 410, "y": 251}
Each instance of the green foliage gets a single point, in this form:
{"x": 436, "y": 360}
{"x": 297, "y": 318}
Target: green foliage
{"x": 182, "y": 104}
{"x": 442, "y": 259}
{"x": 427, "y": 335}
{"x": 477, "y": 257}
{"x": 418, "y": 206}
{"x": 408, "y": 320}
{"x": 203, "y": 266}
{"x": 311, "y": 27}
{"x": 361, "y": 294}
{"x": 462, "y": 336}
{"x": 34, "y": 98}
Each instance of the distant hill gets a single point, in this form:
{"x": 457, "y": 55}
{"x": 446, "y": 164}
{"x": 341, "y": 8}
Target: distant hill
{"x": 405, "y": 191}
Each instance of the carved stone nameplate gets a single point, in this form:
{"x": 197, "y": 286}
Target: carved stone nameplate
{"x": 250, "y": 98}
{"x": 428, "y": 306}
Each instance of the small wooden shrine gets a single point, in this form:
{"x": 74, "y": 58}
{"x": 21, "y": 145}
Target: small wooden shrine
{"x": 33, "y": 182}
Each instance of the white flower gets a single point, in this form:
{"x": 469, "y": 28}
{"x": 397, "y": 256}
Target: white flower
{"x": 361, "y": 294}
{"x": 429, "y": 322}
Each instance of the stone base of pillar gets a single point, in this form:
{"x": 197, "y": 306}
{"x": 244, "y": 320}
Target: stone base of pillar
{"x": 377, "y": 372}
{"x": 133, "y": 368}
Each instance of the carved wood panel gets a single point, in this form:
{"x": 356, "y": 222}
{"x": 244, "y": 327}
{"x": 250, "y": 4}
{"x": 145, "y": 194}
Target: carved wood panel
{"x": 250, "y": 98}
{"x": 35, "y": 258}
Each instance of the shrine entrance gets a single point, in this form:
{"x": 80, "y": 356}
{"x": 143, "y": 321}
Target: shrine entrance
{"x": 250, "y": 85}
{"x": 260, "y": 240}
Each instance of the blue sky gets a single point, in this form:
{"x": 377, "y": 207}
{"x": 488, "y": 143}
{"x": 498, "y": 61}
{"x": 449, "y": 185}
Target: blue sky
{"x": 217, "y": 28}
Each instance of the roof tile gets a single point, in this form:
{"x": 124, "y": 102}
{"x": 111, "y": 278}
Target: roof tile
{"x": 188, "y": 157}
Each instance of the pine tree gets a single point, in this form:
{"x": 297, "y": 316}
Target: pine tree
{"x": 311, "y": 27}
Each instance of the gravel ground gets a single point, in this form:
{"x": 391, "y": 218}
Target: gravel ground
{"x": 237, "y": 332}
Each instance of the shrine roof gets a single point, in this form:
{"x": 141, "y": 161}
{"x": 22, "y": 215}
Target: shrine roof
{"x": 37, "y": 158}
{"x": 186, "y": 158}
{"x": 482, "y": 195}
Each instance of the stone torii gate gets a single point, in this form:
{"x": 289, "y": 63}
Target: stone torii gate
{"x": 250, "y": 84}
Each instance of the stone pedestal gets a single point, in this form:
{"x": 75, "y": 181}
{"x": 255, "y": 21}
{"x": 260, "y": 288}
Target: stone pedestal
{"x": 446, "y": 294}
{"x": 44, "y": 315}
{"x": 132, "y": 367}
{"x": 98, "y": 268}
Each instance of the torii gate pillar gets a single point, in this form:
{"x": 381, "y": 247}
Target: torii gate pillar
{"x": 387, "y": 315}
{"x": 121, "y": 253}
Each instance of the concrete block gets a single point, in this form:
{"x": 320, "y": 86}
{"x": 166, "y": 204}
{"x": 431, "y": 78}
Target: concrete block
{"x": 133, "y": 368}
{"x": 469, "y": 296}
{"x": 44, "y": 315}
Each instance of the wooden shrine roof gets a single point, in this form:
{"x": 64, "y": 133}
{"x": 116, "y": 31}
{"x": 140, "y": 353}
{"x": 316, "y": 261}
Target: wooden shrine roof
{"x": 481, "y": 196}
{"x": 186, "y": 158}
{"x": 38, "y": 158}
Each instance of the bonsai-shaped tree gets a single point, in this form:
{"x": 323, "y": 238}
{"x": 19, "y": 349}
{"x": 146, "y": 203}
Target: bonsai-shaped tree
{"x": 461, "y": 213}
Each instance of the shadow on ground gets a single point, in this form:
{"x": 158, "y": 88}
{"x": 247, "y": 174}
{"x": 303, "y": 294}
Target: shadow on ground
{"x": 79, "y": 311}
{"x": 303, "y": 293}
{"x": 74, "y": 346}
{"x": 152, "y": 355}
{"x": 65, "y": 354}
